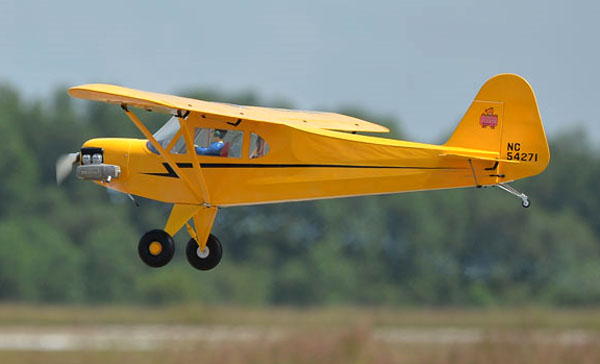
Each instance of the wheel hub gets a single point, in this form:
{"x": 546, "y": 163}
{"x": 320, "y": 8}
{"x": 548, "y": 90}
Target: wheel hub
{"x": 155, "y": 248}
{"x": 203, "y": 253}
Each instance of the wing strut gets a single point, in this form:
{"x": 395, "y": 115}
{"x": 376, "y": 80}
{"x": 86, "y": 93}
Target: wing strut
{"x": 189, "y": 141}
{"x": 200, "y": 194}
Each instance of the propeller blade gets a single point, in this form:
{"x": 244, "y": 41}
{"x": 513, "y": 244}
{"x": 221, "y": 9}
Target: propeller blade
{"x": 64, "y": 166}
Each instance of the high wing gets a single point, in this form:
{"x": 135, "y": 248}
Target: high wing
{"x": 171, "y": 104}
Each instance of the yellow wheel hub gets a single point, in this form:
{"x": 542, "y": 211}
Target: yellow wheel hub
{"x": 155, "y": 248}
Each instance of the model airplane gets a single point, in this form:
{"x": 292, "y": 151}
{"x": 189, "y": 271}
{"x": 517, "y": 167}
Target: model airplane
{"x": 213, "y": 155}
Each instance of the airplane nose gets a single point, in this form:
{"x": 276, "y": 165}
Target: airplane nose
{"x": 104, "y": 159}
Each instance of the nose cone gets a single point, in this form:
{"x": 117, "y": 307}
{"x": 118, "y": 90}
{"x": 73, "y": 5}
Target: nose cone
{"x": 115, "y": 151}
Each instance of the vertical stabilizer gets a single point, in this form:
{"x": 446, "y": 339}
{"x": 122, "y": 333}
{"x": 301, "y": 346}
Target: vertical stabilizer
{"x": 504, "y": 118}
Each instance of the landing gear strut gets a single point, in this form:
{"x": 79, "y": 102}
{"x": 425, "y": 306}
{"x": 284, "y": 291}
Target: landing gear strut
{"x": 510, "y": 189}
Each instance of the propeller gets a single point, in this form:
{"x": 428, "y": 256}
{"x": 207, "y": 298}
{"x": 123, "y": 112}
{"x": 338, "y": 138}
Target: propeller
{"x": 64, "y": 166}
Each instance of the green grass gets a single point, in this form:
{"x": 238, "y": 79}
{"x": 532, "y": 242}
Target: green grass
{"x": 339, "y": 317}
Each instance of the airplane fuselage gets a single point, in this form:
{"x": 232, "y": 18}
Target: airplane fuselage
{"x": 302, "y": 164}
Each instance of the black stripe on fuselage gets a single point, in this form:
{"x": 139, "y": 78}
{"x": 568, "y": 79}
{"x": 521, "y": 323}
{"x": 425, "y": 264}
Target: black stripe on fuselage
{"x": 171, "y": 173}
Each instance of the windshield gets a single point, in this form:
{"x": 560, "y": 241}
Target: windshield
{"x": 165, "y": 135}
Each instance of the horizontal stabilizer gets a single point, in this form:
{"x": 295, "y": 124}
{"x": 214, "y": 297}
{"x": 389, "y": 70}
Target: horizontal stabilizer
{"x": 475, "y": 157}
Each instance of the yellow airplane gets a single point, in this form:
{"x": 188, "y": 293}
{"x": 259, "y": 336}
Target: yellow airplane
{"x": 214, "y": 155}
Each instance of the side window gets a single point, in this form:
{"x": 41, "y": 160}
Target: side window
{"x": 258, "y": 146}
{"x": 218, "y": 142}
{"x": 179, "y": 147}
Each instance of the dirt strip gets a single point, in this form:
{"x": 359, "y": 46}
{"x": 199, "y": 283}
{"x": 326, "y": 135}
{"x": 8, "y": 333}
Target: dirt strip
{"x": 157, "y": 337}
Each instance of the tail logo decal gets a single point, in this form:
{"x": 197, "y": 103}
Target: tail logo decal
{"x": 488, "y": 118}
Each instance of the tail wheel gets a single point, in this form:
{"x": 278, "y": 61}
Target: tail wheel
{"x": 156, "y": 248}
{"x": 206, "y": 259}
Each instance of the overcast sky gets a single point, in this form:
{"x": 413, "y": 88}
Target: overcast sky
{"x": 420, "y": 61}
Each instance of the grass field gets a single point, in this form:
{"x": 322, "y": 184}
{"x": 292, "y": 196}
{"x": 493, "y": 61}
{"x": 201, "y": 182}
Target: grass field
{"x": 205, "y": 334}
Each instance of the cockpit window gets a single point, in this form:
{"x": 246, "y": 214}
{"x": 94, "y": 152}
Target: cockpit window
{"x": 258, "y": 146}
{"x": 164, "y": 136}
{"x": 218, "y": 142}
{"x": 207, "y": 141}
{"x": 179, "y": 147}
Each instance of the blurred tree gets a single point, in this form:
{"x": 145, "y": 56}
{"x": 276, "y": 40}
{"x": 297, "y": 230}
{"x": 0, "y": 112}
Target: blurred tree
{"x": 38, "y": 263}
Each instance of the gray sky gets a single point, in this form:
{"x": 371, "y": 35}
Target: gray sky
{"x": 421, "y": 61}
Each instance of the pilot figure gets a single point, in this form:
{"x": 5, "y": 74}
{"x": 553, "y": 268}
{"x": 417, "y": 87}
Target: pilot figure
{"x": 215, "y": 146}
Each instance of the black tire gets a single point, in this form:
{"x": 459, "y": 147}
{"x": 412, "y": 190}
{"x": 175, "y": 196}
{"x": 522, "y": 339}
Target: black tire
{"x": 526, "y": 204}
{"x": 166, "y": 248}
{"x": 215, "y": 252}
